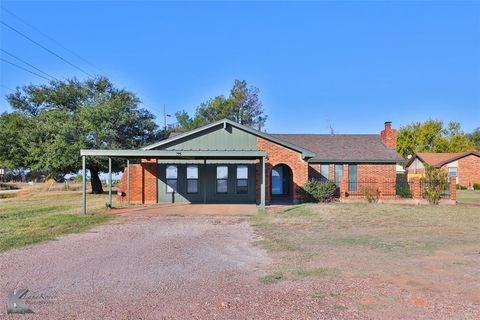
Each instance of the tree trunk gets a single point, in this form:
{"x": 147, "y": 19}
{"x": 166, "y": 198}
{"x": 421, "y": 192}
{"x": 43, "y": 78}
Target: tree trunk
{"x": 95, "y": 181}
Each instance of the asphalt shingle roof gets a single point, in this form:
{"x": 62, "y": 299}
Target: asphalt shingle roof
{"x": 343, "y": 147}
{"x": 437, "y": 159}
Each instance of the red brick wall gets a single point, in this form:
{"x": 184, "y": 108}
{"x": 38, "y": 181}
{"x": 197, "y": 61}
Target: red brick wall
{"x": 468, "y": 170}
{"x": 277, "y": 154}
{"x": 377, "y": 171}
{"x": 143, "y": 183}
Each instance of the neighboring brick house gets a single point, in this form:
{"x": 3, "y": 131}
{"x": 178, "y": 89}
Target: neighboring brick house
{"x": 222, "y": 163}
{"x": 465, "y": 166}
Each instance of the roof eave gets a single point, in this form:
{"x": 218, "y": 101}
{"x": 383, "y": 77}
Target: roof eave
{"x": 175, "y": 154}
{"x": 376, "y": 161}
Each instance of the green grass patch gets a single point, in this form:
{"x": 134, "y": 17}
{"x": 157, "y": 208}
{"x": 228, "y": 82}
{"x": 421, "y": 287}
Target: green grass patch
{"x": 338, "y": 238}
{"x": 272, "y": 278}
{"x": 41, "y": 216}
{"x": 314, "y": 273}
{"x": 468, "y": 197}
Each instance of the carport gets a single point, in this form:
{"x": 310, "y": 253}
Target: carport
{"x": 168, "y": 155}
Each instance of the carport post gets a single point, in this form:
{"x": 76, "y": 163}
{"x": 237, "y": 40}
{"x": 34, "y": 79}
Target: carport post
{"x": 128, "y": 181}
{"x": 109, "y": 182}
{"x": 84, "y": 187}
{"x": 262, "y": 184}
{"x": 204, "y": 180}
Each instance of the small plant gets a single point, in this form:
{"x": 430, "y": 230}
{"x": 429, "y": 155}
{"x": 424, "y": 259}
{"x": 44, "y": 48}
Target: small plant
{"x": 272, "y": 278}
{"x": 435, "y": 182}
{"x": 316, "y": 191}
{"x": 371, "y": 194}
{"x": 403, "y": 191}
{"x": 460, "y": 187}
{"x": 476, "y": 186}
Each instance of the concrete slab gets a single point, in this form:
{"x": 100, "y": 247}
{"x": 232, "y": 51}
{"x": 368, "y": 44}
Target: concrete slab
{"x": 187, "y": 209}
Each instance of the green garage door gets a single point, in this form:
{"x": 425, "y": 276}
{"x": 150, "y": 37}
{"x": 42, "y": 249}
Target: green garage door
{"x": 195, "y": 182}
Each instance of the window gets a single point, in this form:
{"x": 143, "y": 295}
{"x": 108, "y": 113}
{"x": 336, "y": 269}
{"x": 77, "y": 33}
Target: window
{"x": 171, "y": 174}
{"x": 242, "y": 179}
{"x": 277, "y": 180}
{"x": 222, "y": 179}
{"x": 352, "y": 177}
{"x": 324, "y": 172}
{"x": 338, "y": 174}
{"x": 192, "y": 179}
{"x": 452, "y": 171}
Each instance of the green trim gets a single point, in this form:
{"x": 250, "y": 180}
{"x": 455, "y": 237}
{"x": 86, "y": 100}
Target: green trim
{"x": 170, "y": 154}
{"x": 305, "y": 152}
{"x": 327, "y": 161}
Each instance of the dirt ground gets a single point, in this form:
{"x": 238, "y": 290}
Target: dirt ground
{"x": 153, "y": 268}
{"x": 379, "y": 261}
{"x": 307, "y": 262}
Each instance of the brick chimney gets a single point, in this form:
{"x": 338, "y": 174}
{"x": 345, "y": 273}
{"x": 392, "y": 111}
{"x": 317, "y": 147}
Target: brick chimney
{"x": 389, "y": 136}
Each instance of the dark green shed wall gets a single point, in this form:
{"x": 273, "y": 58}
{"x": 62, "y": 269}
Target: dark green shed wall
{"x": 207, "y": 185}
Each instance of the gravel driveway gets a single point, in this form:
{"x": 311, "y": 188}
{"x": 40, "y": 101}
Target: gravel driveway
{"x": 151, "y": 268}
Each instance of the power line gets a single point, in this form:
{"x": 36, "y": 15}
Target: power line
{"x": 20, "y": 67}
{"x": 46, "y": 49}
{"x": 30, "y": 65}
{"x": 55, "y": 54}
{"x": 50, "y": 38}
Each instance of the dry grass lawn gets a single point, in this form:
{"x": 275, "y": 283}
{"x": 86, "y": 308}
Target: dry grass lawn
{"x": 35, "y": 215}
{"x": 409, "y": 261}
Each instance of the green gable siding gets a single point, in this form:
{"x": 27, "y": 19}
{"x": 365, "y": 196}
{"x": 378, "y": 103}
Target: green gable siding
{"x": 217, "y": 138}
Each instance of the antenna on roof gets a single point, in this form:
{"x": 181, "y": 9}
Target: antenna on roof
{"x": 332, "y": 131}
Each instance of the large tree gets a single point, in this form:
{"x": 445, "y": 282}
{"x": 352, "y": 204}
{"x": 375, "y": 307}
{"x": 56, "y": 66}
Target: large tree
{"x": 242, "y": 105}
{"x": 474, "y": 136}
{"x": 63, "y": 117}
{"x": 432, "y": 136}
{"x": 14, "y": 135}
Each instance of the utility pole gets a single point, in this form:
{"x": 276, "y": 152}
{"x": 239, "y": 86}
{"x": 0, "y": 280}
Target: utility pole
{"x": 261, "y": 122}
{"x": 165, "y": 115}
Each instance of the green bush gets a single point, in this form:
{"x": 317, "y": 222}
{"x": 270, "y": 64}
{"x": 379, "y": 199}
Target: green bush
{"x": 403, "y": 191}
{"x": 316, "y": 191}
{"x": 476, "y": 186}
{"x": 435, "y": 182}
{"x": 460, "y": 187}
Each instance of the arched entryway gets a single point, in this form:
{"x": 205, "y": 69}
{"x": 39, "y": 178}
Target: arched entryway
{"x": 281, "y": 186}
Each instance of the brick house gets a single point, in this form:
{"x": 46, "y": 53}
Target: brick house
{"x": 464, "y": 166}
{"x": 225, "y": 162}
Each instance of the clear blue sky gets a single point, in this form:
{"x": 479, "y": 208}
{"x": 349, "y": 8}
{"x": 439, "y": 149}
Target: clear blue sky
{"x": 353, "y": 64}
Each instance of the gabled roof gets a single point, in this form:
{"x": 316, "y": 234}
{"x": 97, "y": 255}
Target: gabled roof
{"x": 306, "y": 153}
{"x": 438, "y": 159}
{"x": 344, "y": 148}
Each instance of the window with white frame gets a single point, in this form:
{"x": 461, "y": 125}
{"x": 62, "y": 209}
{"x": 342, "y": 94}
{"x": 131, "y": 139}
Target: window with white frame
{"x": 192, "y": 179}
{"x": 242, "y": 179}
{"x": 452, "y": 171}
{"x": 222, "y": 179}
{"x": 171, "y": 175}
